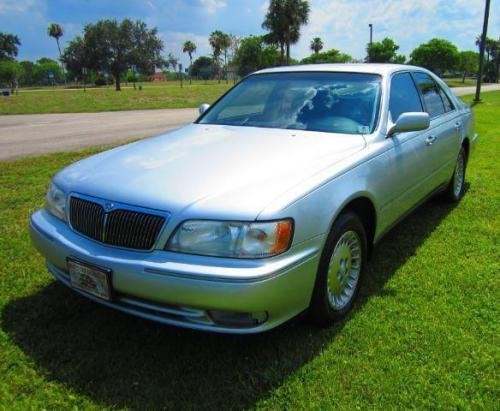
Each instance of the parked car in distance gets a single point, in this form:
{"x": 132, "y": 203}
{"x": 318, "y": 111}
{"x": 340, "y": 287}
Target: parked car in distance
{"x": 268, "y": 205}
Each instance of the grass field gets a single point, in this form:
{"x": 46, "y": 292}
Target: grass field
{"x": 424, "y": 333}
{"x": 153, "y": 95}
{"x": 457, "y": 82}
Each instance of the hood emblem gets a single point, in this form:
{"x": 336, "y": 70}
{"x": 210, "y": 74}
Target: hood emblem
{"x": 108, "y": 206}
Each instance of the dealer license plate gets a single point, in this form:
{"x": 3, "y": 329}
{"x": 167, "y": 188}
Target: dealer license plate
{"x": 89, "y": 278}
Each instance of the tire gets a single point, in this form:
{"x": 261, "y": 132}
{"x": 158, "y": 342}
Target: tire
{"x": 456, "y": 187}
{"x": 345, "y": 251}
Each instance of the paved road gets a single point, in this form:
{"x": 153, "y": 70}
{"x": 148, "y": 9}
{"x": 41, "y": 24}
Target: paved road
{"x": 32, "y": 134}
{"x": 462, "y": 91}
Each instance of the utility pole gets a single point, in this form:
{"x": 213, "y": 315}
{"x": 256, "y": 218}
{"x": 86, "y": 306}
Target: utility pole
{"x": 477, "y": 98}
{"x": 371, "y": 40}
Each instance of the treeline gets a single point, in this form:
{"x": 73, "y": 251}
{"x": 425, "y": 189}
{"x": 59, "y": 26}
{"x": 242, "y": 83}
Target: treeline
{"x": 109, "y": 51}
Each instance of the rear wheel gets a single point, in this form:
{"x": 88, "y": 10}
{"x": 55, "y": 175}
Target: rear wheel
{"x": 456, "y": 188}
{"x": 340, "y": 270}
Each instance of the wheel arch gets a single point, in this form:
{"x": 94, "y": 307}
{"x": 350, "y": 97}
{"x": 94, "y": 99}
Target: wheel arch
{"x": 466, "y": 146}
{"x": 364, "y": 207}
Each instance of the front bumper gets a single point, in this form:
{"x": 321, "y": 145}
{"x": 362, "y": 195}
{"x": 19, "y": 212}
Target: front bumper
{"x": 185, "y": 290}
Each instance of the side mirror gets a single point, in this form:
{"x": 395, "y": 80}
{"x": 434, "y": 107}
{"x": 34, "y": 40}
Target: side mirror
{"x": 204, "y": 107}
{"x": 410, "y": 122}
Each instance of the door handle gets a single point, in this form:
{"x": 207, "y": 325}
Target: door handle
{"x": 429, "y": 141}
{"x": 458, "y": 124}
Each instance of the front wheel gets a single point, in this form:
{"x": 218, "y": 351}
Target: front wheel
{"x": 456, "y": 188}
{"x": 340, "y": 270}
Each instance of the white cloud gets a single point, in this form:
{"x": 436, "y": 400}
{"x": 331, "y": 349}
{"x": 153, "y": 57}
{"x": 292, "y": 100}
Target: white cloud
{"x": 174, "y": 40}
{"x": 343, "y": 24}
{"x": 15, "y": 6}
{"x": 211, "y": 6}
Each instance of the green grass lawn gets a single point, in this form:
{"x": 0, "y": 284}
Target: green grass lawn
{"x": 457, "y": 82}
{"x": 424, "y": 333}
{"x": 153, "y": 95}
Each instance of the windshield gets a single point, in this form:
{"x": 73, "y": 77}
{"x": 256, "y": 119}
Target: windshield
{"x": 330, "y": 102}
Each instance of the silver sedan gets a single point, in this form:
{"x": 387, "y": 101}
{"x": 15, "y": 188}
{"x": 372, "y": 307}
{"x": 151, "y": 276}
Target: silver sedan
{"x": 267, "y": 206}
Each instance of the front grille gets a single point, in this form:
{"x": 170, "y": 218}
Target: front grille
{"x": 87, "y": 218}
{"x": 120, "y": 227}
{"x": 132, "y": 229}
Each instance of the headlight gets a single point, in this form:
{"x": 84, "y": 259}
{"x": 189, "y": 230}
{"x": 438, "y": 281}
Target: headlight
{"x": 232, "y": 239}
{"x": 55, "y": 202}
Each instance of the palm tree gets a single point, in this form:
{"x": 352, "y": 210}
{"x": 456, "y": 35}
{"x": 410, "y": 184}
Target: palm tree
{"x": 316, "y": 45}
{"x": 489, "y": 46}
{"x": 225, "y": 43}
{"x": 274, "y": 23}
{"x": 283, "y": 20}
{"x": 189, "y": 47}
{"x": 217, "y": 42}
{"x": 56, "y": 31}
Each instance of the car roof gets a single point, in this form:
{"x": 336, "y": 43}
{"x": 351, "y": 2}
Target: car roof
{"x": 374, "y": 68}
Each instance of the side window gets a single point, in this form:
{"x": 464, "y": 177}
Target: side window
{"x": 448, "y": 105}
{"x": 404, "y": 96}
{"x": 430, "y": 90}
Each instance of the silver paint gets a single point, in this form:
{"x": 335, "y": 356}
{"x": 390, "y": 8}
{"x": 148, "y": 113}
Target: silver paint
{"x": 244, "y": 173}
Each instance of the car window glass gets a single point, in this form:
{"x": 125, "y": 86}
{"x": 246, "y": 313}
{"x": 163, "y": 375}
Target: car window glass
{"x": 315, "y": 101}
{"x": 433, "y": 102}
{"x": 250, "y": 102}
{"x": 448, "y": 106}
{"x": 404, "y": 96}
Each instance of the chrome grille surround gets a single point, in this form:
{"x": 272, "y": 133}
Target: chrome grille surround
{"x": 115, "y": 224}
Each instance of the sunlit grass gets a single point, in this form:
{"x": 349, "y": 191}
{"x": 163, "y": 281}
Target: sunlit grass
{"x": 424, "y": 333}
{"x": 153, "y": 95}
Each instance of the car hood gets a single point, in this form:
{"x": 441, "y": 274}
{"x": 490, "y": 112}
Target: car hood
{"x": 210, "y": 170}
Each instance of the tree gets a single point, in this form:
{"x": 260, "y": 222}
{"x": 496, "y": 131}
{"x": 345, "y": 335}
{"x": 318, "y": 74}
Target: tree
{"x": 202, "y": 67}
{"x": 172, "y": 61}
{"x": 437, "y": 55}
{"x": 10, "y": 72}
{"x": 316, "y": 45}
{"x": 489, "y": 46}
{"x": 189, "y": 47}
{"x": 383, "y": 52}
{"x": 8, "y": 46}
{"x": 283, "y": 20}
{"x": 330, "y": 56}
{"x": 115, "y": 47}
{"x": 219, "y": 42}
{"x": 47, "y": 71}
{"x": 55, "y": 31}
{"x": 235, "y": 45}
{"x": 253, "y": 54}
{"x": 492, "y": 64}
{"x": 225, "y": 43}
{"x": 27, "y": 77}
{"x": 75, "y": 58}
{"x": 468, "y": 63}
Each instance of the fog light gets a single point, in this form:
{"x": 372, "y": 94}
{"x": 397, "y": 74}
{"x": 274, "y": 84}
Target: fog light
{"x": 235, "y": 319}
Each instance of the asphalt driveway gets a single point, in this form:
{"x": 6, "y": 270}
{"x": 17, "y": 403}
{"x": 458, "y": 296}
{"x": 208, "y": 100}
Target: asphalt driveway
{"x": 33, "y": 134}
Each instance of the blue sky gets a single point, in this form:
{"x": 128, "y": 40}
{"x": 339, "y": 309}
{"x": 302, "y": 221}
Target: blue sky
{"x": 342, "y": 24}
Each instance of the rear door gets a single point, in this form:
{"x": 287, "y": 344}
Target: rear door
{"x": 443, "y": 133}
